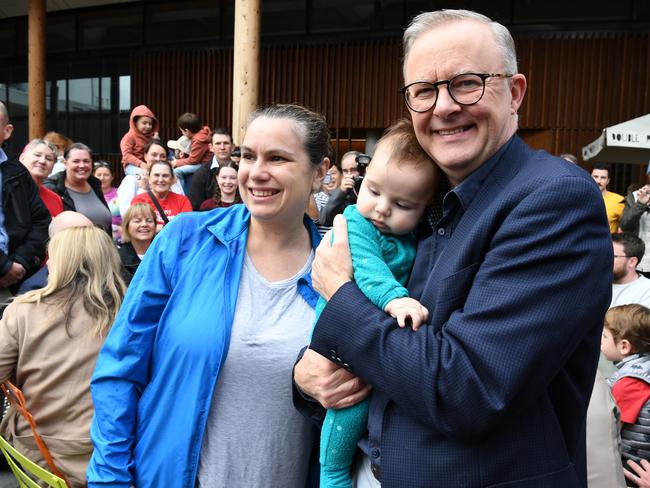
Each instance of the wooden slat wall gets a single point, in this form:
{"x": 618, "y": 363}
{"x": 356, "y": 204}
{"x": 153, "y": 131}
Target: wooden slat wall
{"x": 355, "y": 85}
{"x": 577, "y": 85}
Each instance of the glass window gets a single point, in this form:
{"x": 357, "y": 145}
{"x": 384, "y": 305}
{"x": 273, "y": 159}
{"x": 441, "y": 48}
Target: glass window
{"x": 83, "y": 95}
{"x": 228, "y": 20}
{"x": 48, "y": 95}
{"x": 341, "y": 15}
{"x": 391, "y": 16}
{"x": 122, "y": 27}
{"x": 125, "y": 94}
{"x": 17, "y": 100}
{"x": 106, "y": 94}
{"x": 62, "y": 95}
{"x": 283, "y": 17}
{"x": 642, "y": 10}
{"x": 499, "y": 10}
{"x": 60, "y": 33}
{"x": 560, "y": 10}
{"x": 8, "y": 38}
{"x": 416, "y": 7}
{"x": 183, "y": 21}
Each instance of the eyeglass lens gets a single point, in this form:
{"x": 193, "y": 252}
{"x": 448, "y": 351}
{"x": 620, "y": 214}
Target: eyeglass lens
{"x": 465, "y": 89}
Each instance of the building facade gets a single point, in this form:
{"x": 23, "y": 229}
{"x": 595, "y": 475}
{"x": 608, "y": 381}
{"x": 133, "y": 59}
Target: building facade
{"x": 587, "y": 64}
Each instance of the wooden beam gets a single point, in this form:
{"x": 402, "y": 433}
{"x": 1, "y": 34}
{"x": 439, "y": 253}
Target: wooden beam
{"x": 246, "y": 57}
{"x": 36, "y": 67}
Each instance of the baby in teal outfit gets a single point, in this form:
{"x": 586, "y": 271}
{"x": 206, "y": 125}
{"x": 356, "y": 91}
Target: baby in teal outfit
{"x": 398, "y": 186}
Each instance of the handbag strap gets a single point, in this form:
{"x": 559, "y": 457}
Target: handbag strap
{"x": 157, "y": 204}
{"x": 16, "y": 398}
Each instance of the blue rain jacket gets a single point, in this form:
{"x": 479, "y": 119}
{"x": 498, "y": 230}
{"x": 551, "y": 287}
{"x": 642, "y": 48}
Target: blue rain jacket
{"x": 155, "y": 376}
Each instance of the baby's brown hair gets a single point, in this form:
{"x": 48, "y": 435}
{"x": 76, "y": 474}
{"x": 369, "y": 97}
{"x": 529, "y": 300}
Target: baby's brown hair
{"x": 404, "y": 145}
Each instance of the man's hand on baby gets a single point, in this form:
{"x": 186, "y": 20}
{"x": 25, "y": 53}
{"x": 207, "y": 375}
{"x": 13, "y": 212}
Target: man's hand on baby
{"x": 407, "y": 310}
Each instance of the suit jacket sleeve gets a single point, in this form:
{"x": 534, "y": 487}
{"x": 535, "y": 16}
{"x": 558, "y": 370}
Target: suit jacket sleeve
{"x": 519, "y": 314}
{"x": 632, "y": 212}
{"x": 198, "y": 193}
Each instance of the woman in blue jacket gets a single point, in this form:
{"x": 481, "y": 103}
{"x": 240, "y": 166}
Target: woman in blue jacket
{"x": 191, "y": 386}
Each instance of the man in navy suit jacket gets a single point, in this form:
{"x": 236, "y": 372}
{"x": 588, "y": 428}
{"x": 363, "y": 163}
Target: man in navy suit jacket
{"x": 515, "y": 270}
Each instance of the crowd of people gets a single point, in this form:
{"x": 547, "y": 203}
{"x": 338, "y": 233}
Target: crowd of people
{"x": 187, "y": 326}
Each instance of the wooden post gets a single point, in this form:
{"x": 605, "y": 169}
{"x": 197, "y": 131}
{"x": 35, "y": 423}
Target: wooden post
{"x": 36, "y": 68}
{"x": 246, "y": 53}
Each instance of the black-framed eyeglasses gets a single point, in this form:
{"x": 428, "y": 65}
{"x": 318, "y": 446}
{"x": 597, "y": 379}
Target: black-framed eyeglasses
{"x": 464, "y": 89}
{"x": 621, "y": 256}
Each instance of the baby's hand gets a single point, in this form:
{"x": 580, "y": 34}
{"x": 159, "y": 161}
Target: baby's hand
{"x": 405, "y": 309}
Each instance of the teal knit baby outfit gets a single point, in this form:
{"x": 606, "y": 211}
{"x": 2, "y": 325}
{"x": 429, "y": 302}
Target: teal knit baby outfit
{"x": 382, "y": 264}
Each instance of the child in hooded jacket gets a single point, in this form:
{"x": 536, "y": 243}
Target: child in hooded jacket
{"x": 143, "y": 126}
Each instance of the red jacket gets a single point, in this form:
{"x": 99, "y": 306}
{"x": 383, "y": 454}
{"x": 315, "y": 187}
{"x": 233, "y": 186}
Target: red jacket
{"x": 200, "y": 151}
{"x": 133, "y": 142}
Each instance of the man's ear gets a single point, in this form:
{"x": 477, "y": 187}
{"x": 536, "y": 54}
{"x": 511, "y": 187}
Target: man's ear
{"x": 6, "y": 133}
{"x": 319, "y": 174}
{"x": 517, "y": 91}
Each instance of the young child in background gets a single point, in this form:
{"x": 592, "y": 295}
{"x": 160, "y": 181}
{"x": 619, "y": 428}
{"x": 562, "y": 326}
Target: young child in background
{"x": 143, "y": 126}
{"x": 394, "y": 193}
{"x": 626, "y": 342}
{"x": 191, "y": 127}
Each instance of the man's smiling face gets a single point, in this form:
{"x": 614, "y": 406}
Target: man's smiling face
{"x": 460, "y": 138}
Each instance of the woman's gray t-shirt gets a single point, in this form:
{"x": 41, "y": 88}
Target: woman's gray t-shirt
{"x": 90, "y": 205}
{"x": 254, "y": 436}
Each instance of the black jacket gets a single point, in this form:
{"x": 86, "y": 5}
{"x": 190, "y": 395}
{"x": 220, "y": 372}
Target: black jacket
{"x": 336, "y": 203}
{"x": 203, "y": 185}
{"x": 56, "y": 183}
{"x": 632, "y": 213}
{"x": 130, "y": 261}
{"x": 26, "y": 219}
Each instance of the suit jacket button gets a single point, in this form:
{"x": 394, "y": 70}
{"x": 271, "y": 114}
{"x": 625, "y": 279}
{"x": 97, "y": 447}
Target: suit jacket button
{"x": 374, "y": 453}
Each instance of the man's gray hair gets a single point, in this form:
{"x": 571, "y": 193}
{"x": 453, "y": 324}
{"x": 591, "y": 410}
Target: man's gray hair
{"x": 427, "y": 21}
{"x": 350, "y": 153}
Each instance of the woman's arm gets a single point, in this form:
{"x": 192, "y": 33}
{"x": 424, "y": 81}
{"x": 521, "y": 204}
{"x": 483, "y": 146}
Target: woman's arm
{"x": 8, "y": 343}
{"x": 123, "y": 365}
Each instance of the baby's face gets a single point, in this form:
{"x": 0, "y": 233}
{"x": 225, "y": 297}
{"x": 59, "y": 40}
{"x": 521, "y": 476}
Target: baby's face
{"x": 394, "y": 194}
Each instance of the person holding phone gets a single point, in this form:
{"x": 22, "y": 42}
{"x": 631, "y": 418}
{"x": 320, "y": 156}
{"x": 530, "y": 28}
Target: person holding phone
{"x": 636, "y": 219}
{"x": 319, "y": 200}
